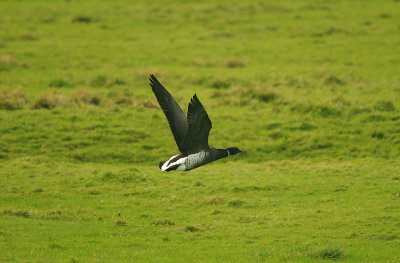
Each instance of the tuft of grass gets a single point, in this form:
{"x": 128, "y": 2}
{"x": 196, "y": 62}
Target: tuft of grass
{"x": 334, "y": 80}
{"x": 19, "y": 213}
{"x": 82, "y": 19}
{"x": 385, "y": 15}
{"x": 12, "y": 100}
{"x": 108, "y": 176}
{"x": 37, "y": 190}
{"x": 277, "y": 135}
{"x": 241, "y": 96}
{"x": 198, "y": 184}
{"x": 220, "y": 84}
{"x": 384, "y": 106}
{"x": 215, "y": 200}
{"x": 332, "y": 253}
{"x": 99, "y": 81}
{"x": 330, "y": 31}
{"x": 304, "y": 126}
{"x": 164, "y": 222}
{"x": 50, "y": 100}
{"x": 94, "y": 191}
{"x": 378, "y": 135}
{"x": 273, "y": 125}
{"x": 80, "y": 97}
{"x": 375, "y": 118}
{"x": 117, "y": 82}
{"x": 103, "y": 81}
{"x": 191, "y": 229}
{"x": 28, "y": 37}
{"x": 235, "y": 63}
{"x": 84, "y": 96}
{"x": 122, "y": 98}
{"x": 7, "y": 62}
{"x": 265, "y": 96}
{"x": 55, "y": 246}
{"x": 321, "y": 110}
{"x": 59, "y": 83}
{"x": 121, "y": 223}
{"x": 236, "y": 203}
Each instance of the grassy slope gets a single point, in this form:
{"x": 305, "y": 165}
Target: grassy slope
{"x": 309, "y": 90}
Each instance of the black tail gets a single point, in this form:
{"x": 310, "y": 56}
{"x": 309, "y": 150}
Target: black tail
{"x": 173, "y": 167}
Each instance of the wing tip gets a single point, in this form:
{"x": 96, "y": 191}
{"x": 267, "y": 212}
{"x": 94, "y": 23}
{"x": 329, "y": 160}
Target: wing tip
{"x": 195, "y": 100}
{"x": 153, "y": 81}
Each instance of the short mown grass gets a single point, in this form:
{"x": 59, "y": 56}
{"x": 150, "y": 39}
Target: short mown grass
{"x": 309, "y": 90}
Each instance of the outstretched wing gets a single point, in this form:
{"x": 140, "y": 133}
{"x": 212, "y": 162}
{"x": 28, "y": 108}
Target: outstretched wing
{"x": 175, "y": 116}
{"x": 199, "y": 127}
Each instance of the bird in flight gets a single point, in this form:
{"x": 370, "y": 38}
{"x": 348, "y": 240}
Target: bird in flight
{"x": 190, "y": 133}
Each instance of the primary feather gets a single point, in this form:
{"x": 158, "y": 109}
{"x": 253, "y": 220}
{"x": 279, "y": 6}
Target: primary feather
{"x": 175, "y": 116}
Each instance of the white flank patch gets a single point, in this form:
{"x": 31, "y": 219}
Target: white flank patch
{"x": 187, "y": 162}
{"x": 167, "y": 165}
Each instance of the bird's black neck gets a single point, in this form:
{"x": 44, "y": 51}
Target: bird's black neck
{"x": 220, "y": 153}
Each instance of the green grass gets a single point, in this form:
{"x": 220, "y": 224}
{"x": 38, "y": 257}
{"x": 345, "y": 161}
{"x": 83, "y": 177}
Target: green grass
{"x": 310, "y": 90}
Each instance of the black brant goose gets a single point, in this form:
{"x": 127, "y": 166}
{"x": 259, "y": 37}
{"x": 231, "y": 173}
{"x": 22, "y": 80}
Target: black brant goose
{"x": 190, "y": 133}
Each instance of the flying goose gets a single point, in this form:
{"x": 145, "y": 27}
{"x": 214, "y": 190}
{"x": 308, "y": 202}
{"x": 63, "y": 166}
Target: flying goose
{"x": 190, "y": 133}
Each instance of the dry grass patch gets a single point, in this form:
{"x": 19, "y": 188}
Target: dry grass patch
{"x": 50, "y": 100}
{"x": 147, "y": 104}
{"x": 12, "y": 100}
{"x": 241, "y": 96}
{"x": 126, "y": 98}
{"x": 53, "y": 99}
{"x": 215, "y": 200}
{"x": 7, "y": 62}
{"x": 86, "y": 97}
{"x": 235, "y": 63}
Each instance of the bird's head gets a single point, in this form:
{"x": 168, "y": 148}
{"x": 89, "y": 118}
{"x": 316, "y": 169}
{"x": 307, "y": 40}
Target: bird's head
{"x": 233, "y": 150}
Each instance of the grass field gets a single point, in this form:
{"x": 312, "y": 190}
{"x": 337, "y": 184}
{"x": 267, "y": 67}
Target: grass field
{"x": 309, "y": 89}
